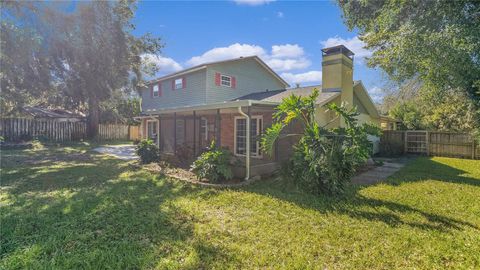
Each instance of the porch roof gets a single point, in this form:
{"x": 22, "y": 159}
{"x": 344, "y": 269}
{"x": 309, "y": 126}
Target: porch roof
{"x": 204, "y": 107}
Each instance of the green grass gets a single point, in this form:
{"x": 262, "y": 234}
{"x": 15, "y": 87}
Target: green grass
{"x": 69, "y": 208}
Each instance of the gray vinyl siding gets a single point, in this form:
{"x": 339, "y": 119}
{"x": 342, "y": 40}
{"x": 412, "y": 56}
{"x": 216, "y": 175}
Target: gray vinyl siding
{"x": 250, "y": 76}
{"x": 193, "y": 94}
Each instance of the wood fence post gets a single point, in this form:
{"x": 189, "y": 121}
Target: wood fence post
{"x": 405, "y": 133}
{"x": 427, "y": 139}
{"x": 473, "y": 147}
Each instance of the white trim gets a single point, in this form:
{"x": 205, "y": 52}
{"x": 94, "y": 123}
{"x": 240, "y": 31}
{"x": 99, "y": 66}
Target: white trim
{"x": 259, "y": 129}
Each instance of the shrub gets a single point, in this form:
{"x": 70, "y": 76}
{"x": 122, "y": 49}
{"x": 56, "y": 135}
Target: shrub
{"x": 213, "y": 165}
{"x": 324, "y": 160}
{"x": 148, "y": 151}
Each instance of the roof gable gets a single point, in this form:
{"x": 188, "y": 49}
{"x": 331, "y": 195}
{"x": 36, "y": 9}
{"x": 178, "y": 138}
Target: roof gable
{"x": 361, "y": 93}
{"x": 205, "y": 65}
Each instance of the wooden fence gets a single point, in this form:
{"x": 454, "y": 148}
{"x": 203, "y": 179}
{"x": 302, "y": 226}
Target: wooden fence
{"x": 17, "y": 129}
{"x": 431, "y": 143}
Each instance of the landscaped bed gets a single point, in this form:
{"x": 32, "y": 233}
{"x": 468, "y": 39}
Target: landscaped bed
{"x": 100, "y": 212}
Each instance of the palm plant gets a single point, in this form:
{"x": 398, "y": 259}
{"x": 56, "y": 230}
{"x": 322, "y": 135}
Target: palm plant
{"x": 324, "y": 160}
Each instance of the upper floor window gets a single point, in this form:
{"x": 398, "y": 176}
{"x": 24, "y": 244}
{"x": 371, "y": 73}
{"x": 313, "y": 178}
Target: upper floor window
{"x": 226, "y": 81}
{"x": 179, "y": 83}
{"x": 156, "y": 90}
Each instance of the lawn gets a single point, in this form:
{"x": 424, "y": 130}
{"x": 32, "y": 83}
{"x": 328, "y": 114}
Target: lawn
{"x": 69, "y": 208}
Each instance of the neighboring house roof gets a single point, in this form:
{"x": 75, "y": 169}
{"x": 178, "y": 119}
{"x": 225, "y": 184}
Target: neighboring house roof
{"x": 203, "y": 66}
{"x": 278, "y": 95}
{"x": 51, "y": 113}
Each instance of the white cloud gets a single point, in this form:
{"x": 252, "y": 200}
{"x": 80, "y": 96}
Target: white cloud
{"x": 253, "y": 2}
{"x": 288, "y": 64}
{"x": 354, "y": 44}
{"x": 287, "y": 50}
{"x": 376, "y": 93}
{"x": 164, "y": 64}
{"x": 281, "y": 57}
{"x": 279, "y": 14}
{"x": 222, "y": 53}
{"x": 301, "y": 78}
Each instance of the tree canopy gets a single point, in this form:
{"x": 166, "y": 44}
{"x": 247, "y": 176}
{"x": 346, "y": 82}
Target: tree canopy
{"x": 82, "y": 52}
{"x": 435, "y": 40}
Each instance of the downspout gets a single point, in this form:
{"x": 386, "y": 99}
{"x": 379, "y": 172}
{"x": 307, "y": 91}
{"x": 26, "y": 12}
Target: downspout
{"x": 247, "y": 154}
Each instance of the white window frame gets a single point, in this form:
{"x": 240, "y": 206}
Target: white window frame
{"x": 205, "y": 128}
{"x": 157, "y": 92}
{"x": 229, "y": 80}
{"x": 158, "y": 129}
{"x": 258, "y": 154}
{"x": 178, "y": 85}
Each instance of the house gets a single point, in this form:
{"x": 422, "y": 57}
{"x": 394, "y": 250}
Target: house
{"x": 58, "y": 115}
{"x": 182, "y": 112}
{"x": 388, "y": 123}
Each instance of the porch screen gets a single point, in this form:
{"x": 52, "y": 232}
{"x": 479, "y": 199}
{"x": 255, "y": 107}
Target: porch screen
{"x": 241, "y": 138}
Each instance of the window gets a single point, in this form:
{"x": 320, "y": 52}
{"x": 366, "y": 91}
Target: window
{"x": 180, "y": 131}
{"x": 178, "y": 84}
{"x": 226, "y": 81}
{"x": 256, "y": 127}
{"x": 152, "y": 129}
{"x": 204, "y": 128}
{"x": 156, "y": 90}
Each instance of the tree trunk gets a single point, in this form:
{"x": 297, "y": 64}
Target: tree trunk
{"x": 93, "y": 118}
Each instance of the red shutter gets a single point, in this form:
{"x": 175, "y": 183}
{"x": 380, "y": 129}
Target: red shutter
{"x": 173, "y": 84}
{"x": 159, "y": 89}
{"x": 234, "y": 82}
{"x": 184, "y": 82}
{"x": 151, "y": 91}
{"x": 217, "y": 79}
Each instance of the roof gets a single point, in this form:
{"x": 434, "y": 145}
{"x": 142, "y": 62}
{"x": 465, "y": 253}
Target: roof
{"x": 278, "y": 95}
{"x": 51, "y": 113}
{"x": 202, "y": 66}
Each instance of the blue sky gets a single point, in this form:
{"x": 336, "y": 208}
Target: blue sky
{"x": 286, "y": 35}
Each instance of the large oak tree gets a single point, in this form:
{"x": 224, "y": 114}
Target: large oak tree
{"x": 88, "y": 51}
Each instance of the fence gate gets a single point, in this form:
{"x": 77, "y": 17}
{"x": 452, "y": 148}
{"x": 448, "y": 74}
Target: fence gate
{"x": 416, "y": 142}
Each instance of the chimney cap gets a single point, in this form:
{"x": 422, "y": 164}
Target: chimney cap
{"x": 338, "y": 49}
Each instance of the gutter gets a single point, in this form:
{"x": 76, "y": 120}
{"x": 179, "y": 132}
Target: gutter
{"x": 247, "y": 154}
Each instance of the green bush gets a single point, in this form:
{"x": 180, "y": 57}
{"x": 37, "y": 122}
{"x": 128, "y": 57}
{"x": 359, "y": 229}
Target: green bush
{"x": 324, "y": 160}
{"x": 213, "y": 165}
{"x": 148, "y": 151}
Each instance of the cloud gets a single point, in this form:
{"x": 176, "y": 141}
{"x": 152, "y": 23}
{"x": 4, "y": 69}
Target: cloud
{"x": 279, "y": 14}
{"x": 354, "y": 44}
{"x": 287, "y": 50}
{"x": 164, "y": 64}
{"x": 253, "y": 2}
{"x": 280, "y": 58}
{"x": 376, "y": 93}
{"x": 301, "y": 78}
{"x": 222, "y": 53}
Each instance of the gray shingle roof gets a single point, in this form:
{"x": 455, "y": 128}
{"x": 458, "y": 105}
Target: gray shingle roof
{"x": 278, "y": 95}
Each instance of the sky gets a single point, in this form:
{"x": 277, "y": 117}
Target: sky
{"x": 287, "y": 35}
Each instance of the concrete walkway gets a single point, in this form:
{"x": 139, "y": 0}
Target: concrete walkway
{"x": 378, "y": 174}
{"x": 121, "y": 151}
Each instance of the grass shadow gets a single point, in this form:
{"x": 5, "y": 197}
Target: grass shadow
{"x": 96, "y": 213}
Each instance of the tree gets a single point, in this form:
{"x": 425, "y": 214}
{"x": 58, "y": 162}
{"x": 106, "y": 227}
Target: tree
{"x": 90, "y": 52}
{"x": 435, "y": 40}
{"x": 96, "y": 53}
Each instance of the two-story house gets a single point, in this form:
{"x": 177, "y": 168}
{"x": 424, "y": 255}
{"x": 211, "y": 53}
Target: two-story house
{"x": 226, "y": 100}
